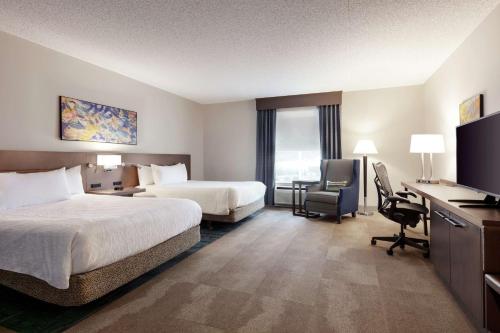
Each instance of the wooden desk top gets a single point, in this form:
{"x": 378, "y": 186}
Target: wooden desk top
{"x": 441, "y": 193}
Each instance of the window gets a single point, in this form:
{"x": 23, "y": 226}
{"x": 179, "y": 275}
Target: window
{"x": 298, "y": 153}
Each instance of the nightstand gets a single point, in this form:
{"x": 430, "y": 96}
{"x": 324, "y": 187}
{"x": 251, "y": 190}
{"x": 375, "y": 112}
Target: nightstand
{"x": 126, "y": 192}
{"x": 298, "y": 210}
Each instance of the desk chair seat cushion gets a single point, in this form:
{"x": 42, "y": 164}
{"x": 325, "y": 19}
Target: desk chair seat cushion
{"x": 328, "y": 197}
{"x": 412, "y": 207}
{"x": 405, "y": 213}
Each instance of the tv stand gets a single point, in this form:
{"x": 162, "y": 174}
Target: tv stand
{"x": 489, "y": 202}
{"x": 464, "y": 245}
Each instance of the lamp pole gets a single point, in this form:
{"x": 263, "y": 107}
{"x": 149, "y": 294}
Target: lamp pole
{"x": 365, "y": 147}
{"x": 365, "y": 166}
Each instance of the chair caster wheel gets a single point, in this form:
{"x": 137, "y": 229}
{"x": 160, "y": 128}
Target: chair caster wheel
{"x": 374, "y": 242}
{"x": 427, "y": 255}
{"x": 426, "y": 245}
{"x": 389, "y": 252}
{"x": 402, "y": 246}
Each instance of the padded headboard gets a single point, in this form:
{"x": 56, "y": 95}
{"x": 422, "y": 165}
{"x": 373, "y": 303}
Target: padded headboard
{"x": 26, "y": 161}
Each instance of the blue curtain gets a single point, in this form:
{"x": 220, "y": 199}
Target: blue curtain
{"x": 266, "y": 151}
{"x": 329, "y": 132}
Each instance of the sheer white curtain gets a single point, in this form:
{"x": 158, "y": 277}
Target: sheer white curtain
{"x": 298, "y": 152}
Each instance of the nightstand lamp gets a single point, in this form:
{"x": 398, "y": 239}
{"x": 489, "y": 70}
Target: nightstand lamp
{"x": 109, "y": 162}
{"x": 365, "y": 148}
{"x": 427, "y": 143}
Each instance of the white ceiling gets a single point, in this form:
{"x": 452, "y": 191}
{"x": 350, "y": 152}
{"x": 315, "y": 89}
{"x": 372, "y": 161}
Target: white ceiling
{"x": 225, "y": 50}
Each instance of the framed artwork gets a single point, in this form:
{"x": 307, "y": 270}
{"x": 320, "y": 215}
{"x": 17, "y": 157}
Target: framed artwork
{"x": 87, "y": 121}
{"x": 471, "y": 109}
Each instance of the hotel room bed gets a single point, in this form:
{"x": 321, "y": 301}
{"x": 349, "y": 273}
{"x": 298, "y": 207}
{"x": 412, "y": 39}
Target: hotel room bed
{"x": 74, "y": 251}
{"x": 220, "y": 201}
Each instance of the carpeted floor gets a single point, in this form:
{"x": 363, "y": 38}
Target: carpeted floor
{"x": 20, "y": 313}
{"x": 282, "y": 273}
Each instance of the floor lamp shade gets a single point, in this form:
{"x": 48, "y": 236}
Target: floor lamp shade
{"x": 365, "y": 147}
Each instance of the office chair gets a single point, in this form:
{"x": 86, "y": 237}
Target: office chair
{"x": 399, "y": 209}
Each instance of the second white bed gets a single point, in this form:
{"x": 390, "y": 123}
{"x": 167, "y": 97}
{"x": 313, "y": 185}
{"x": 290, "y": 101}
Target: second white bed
{"x": 214, "y": 197}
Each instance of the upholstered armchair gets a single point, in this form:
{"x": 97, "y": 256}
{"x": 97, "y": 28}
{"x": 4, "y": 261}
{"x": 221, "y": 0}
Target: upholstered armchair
{"x": 338, "y": 190}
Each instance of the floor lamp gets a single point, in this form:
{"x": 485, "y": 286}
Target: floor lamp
{"x": 365, "y": 147}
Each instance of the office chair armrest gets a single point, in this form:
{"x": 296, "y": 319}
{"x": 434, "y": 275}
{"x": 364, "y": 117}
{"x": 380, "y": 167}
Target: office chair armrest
{"x": 405, "y": 194}
{"x": 395, "y": 199}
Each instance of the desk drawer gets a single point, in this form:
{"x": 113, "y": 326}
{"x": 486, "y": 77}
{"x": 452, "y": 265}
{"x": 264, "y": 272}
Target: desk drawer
{"x": 466, "y": 271}
{"x": 491, "y": 240}
{"x": 440, "y": 242}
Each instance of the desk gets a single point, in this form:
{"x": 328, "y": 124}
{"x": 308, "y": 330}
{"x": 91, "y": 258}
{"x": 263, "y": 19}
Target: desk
{"x": 465, "y": 245}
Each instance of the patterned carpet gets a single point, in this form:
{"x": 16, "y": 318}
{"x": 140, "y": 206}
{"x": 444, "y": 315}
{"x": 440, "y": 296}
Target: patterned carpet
{"x": 283, "y": 273}
{"x": 25, "y": 314}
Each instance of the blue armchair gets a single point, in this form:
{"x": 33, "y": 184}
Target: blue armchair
{"x": 338, "y": 190}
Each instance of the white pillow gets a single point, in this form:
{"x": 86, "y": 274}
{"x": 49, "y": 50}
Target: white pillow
{"x": 74, "y": 179}
{"x": 145, "y": 174}
{"x": 169, "y": 174}
{"x": 26, "y": 189}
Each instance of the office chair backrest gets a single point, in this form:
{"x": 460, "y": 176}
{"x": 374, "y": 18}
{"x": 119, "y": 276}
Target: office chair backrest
{"x": 336, "y": 171}
{"x": 383, "y": 184}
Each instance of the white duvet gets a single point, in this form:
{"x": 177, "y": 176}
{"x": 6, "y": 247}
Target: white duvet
{"x": 53, "y": 241}
{"x": 214, "y": 197}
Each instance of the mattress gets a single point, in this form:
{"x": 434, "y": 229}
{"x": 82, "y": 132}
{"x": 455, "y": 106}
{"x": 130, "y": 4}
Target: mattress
{"x": 214, "y": 197}
{"x": 54, "y": 241}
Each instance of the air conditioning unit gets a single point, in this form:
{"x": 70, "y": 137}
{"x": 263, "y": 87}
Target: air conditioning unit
{"x": 283, "y": 195}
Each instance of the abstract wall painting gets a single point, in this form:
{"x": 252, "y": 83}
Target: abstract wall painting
{"x": 87, "y": 121}
{"x": 471, "y": 109}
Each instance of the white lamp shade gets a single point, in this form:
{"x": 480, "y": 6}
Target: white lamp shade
{"x": 365, "y": 147}
{"x": 427, "y": 143}
{"x": 109, "y": 161}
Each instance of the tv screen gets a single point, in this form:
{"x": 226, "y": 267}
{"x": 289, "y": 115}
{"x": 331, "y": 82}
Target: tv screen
{"x": 478, "y": 155}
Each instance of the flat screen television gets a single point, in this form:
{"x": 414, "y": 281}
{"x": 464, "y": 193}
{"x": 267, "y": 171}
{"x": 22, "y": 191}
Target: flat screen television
{"x": 478, "y": 155}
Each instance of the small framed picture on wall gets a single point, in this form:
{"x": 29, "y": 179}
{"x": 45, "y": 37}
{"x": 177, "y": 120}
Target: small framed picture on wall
{"x": 471, "y": 109}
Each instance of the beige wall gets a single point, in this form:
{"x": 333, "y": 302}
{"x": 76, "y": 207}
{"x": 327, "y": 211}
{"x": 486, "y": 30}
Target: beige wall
{"x": 387, "y": 116}
{"x": 32, "y": 77}
{"x": 230, "y": 140}
{"x": 473, "y": 68}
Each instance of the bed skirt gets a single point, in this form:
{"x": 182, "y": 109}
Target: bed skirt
{"x": 89, "y": 286}
{"x": 237, "y": 214}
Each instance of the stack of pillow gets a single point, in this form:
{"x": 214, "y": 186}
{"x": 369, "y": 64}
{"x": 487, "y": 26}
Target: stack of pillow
{"x": 162, "y": 175}
{"x": 26, "y": 189}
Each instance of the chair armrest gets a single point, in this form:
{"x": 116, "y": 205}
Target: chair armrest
{"x": 395, "y": 199}
{"x": 405, "y": 194}
{"x": 348, "y": 195}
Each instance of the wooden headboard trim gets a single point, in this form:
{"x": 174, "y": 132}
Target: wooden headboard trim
{"x": 35, "y": 161}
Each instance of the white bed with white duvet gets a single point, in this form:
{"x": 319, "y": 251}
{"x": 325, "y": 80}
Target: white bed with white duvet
{"x": 53, "y": 241}
{"x": 219, "y": 200}
{"x": 52, "y": 234}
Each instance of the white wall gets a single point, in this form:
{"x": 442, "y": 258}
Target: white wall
{"x": 33, "y": 77}
{"x": 388, "y": 116}
{"x": 473, "y": 68}
{"x": 230, "y": 141}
